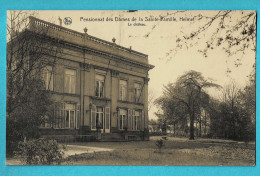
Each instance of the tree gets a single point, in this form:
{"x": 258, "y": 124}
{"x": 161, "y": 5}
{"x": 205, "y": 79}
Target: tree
{"x": 186, "y": 94}
{"x": 29, "y": 52}
{"x": 155, "y": 126}
{"x": 162, "y": 122}
{"x": 233, "y": 116}
{"x": 174, "y": 113}
{"x": 151, "y": 98}
{"x": 230, "y": 30}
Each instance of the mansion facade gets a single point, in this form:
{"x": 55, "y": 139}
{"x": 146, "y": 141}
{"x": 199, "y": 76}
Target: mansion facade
{"x": 100, "y": 89}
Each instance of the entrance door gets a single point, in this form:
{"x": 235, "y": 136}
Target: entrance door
{"x": 103, "y": 119}
{"x": 100, "y": 119}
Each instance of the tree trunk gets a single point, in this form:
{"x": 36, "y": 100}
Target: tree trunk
{"x": 174, "y": 128}
{"x": 205, "y": 125}
{"x": 200, "y": 125}
{"x": 192, "y": 127}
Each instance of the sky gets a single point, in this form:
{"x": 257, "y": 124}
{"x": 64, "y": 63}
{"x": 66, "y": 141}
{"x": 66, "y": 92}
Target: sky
{"x": 156, "y": 39}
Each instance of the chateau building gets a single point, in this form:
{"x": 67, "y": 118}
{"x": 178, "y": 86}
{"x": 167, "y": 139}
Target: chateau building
{"x": 100, "y": 88}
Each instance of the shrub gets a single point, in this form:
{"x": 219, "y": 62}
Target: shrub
{"x": 159, "y": 144}
{"x": 40, "y": 151}
{"x": 16, "y": 131}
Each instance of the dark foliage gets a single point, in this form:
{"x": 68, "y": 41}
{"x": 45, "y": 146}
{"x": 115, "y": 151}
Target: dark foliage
{"x": 40, "y": 151}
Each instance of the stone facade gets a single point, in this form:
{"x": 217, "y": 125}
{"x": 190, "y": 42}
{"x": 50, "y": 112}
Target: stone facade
{"x": 100, "y": 88}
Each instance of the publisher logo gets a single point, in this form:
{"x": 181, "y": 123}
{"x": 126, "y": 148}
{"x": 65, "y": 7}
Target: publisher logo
{"x": 67, "y": 21}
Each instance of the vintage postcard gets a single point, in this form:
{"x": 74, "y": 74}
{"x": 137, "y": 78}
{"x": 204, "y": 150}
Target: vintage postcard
{"x": 131, "y": 88}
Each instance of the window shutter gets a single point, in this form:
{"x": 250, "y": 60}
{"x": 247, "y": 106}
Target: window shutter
{"x": 78, "y": 116}
{"x": 129, "y": 119}
{"x": 107, "y": 118}
{"x": 62, "y": 109}
{"x": 118, "y": 118}
{"x": 93, "y": 119}
{"x": 57, "y": 115}
{"x": 142, "y": 121}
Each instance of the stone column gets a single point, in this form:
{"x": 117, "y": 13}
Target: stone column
{"x": 146, "y": 118}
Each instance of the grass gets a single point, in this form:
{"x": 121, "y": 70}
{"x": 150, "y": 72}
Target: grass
{"x": 176, "y": 151}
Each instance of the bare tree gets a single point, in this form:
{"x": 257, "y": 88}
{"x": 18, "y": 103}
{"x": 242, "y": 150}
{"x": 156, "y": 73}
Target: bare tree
{"x": 29, "y": 51}
{"x": 232, "y": 31}
{"x": 151, "y": 98}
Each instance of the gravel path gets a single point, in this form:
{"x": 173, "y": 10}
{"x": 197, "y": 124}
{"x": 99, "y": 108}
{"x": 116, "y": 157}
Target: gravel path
{"x": 76, "y": 149}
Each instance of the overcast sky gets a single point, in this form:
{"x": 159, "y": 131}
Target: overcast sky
{"x": 162, "y": 39}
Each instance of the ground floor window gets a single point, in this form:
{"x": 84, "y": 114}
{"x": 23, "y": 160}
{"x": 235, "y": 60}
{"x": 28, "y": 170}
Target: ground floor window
{"x": 122, "y": 119}
{"x": 65, "y": 116}
{"x": 70, "y": 116}
{"x": 134, "y": 119}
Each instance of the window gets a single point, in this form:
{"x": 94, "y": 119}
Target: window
{"x": 100, "y": 85}
{"x": 66, "y": 115}
{"x": 70, "y": 119}
{"x": 136, "y": 120}
{"x": 123, "y": 90}
{"x": 47, "y": 76}
{"x": 70, "y": 81}
{"x": 122, "y": 119}
{"x": 137, "y": 91}
{"x": 98, "y": 119}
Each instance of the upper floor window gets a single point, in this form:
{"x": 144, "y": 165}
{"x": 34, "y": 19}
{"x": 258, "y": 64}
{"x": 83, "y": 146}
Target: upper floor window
{"x": 70, "y": 81}
{"x": 137, "y": 92}
{"x": 123, "y": 90}
{"x": 100, "y": 82}
{"x": 48, "y": 77}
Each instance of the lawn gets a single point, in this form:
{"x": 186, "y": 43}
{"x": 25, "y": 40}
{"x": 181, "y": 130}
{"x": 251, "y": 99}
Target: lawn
{"x": 176, "y": 151}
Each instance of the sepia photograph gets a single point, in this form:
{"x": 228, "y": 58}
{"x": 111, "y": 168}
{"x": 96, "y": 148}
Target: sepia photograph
{"x": 131, "y": 87}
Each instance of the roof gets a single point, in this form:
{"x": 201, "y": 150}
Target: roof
{"x": 88, "y": 41}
